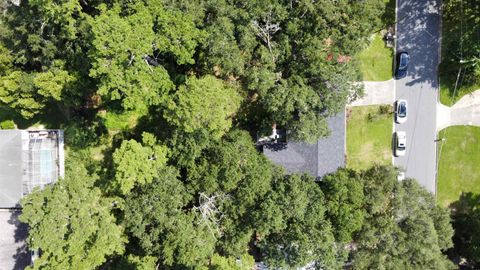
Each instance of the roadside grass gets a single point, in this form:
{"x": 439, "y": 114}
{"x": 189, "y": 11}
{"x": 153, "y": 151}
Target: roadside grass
{"x": 369, "y": 134}
{"x": 459, "y": 164}
{"x": 447, "y": 88}
{"x": 376, "y": 60}
{"x": 460, "y": 31}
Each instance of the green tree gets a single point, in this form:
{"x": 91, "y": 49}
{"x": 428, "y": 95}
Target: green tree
{"x": 176, "y": 33}
{"x": 41, "y": 31}
{"x": 157, "y": 215}
{"x": 297, "y": 230}
{"x": 295, "y": 58}
{"x": 64, "y": 14}
{"x": 46, "y": 41}
{"x": 344, "y": 202}
{"x": 132, "y": 262}
{"x": 28, "y": 93}
{"x": 6, "y": 60}
{"x": 466, "y": 222}
{"x": 404, "y": 228}
{"x": 71, "y": 223}
{"x": 222, "y": 51}
{"x": 245, "y": 262}
{"x": 238, "y": 176}
{"x": 460, "y": 46}
{"x": 206, "y": 103}
{"x": 137, "y": 164}
{"x": 121, "y": 46}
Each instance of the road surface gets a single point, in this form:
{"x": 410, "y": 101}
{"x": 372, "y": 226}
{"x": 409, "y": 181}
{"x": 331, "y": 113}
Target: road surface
{"x": 418, "y": 33}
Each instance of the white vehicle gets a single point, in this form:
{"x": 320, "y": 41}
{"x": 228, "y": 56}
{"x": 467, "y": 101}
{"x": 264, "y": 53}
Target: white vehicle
{"x": 400, "y": 143}
{"x": 401, "y": 176}
{"x": 401, "y": 111}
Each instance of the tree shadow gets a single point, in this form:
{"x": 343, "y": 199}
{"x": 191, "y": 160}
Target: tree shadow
{"x": 275, "y": 147}
{"x": 465, "y": 213}
{"x": 388, "y": 17}
{"x": 22, "y": 255}
{"x": 459, "y": 41}
{"x": 418, "y": 33}
{"x": 392, "y": 144}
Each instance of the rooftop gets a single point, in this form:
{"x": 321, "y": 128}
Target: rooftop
{"x": 28, "y": 159}
{"x": 318, "y": 159}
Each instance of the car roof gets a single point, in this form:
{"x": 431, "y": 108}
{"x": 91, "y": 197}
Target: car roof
{"x": 401, "y": 134}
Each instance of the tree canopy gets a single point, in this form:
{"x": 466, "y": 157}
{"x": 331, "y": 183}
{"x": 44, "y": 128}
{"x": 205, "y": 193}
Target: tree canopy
{"x": 291, "y": 62}
{"x": 72, "y": 223}
{"x": 461, "y": 48}
{"x": 137, "y": 164}
{"x": 404, "y": 227}
{"x": 299, "y": 232}
{"x": 345, "y": 199}
{"x": 205, "y": 103}
{"x": 161, "y": 102}
{"x": 466, "y": 222}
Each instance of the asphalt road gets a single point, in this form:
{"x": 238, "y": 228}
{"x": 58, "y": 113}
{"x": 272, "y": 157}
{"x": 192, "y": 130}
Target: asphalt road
{"x": 418, "y": 33}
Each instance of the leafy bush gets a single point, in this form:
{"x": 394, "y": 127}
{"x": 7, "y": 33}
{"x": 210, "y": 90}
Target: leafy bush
{"x": 385, "y": 109}
{"x": 7, "y": 124}
{"x": 373, "y": 117}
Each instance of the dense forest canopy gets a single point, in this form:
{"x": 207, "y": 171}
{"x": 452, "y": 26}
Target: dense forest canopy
{"x": 290, "y": 61}
{"x": 159, "y": 100}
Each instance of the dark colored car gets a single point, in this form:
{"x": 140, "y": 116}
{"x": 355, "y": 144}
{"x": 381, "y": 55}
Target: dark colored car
{"x": 401, "y": 111}
{"x": 402, "y": 65}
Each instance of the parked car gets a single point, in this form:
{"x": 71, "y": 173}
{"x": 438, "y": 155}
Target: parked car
{"x": 401, "y": 176}
{"x": 400, "y": 143}
{"x": 402, "y": 65}
{"x": 401, "y": 111}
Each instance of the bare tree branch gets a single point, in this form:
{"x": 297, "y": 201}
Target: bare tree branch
{"x": 266, "y": 31}
{"x": 209, "y": 212}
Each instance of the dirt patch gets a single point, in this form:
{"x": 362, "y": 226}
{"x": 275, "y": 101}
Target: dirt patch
{"x": 348, "y": 113}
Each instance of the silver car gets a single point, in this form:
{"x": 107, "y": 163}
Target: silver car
{"x": 400, "y": 143}
{"x": 401, "y": 111}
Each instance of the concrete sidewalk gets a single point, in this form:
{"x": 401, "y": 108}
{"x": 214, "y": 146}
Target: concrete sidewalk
{"x": 465, "y": 112}
{"x": 376, "y": 93}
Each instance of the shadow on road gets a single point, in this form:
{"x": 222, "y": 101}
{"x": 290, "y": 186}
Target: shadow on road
{"x": 418, "y": 34}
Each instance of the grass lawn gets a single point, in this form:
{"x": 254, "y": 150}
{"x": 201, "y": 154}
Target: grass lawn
{"x": 459, "y": 23}
{"x": 120, "y": 121}
{"x": 368, "y": 140}
{"x": 447, "y": 87}
{"x": 459, "y": 167}
{"x": 376, "y": 60}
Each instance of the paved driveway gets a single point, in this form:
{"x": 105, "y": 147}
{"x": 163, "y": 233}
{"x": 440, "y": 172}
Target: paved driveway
{"x": 418, "y": 32}
{"x": 465, "y": 112}
{"x": 376, "y": 93}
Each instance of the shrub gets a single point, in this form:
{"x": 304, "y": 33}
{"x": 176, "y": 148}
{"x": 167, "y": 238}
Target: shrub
{"x": 373, "y": 117}
{"x": 7, "y": 124}
{"x": 385, "y": 109}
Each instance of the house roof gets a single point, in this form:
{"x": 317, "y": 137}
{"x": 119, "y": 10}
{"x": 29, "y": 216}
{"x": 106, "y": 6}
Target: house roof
{"x": 323, "y": 157}
{"x": 11, "y": 167}
{"x": 28, "y": 159}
